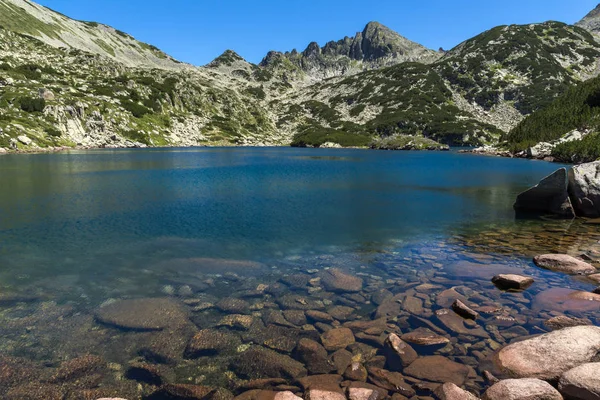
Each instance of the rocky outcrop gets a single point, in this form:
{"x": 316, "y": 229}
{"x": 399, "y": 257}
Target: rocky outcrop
{"x": 550, "y": 355}
{"x": 584, "y": 189}
{"x": 549, "y": 196}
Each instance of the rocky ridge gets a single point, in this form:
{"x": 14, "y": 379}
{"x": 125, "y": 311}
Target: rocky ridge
{"x": 348, "y": 93}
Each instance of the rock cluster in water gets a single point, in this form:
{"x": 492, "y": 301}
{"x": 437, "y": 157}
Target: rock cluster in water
{"x": 576, "y": 193}
{"x": 433, "y": 326}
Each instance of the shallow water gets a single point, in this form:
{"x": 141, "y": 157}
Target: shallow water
{"x": 80, "y": 230}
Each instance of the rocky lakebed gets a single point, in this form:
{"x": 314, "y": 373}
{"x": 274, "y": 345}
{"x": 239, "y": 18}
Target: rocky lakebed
{"x": 501, "y": 311}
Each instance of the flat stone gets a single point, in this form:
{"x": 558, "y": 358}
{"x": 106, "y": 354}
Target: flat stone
{"x": 463, "y": 310}
{"x": 336, "y": 280}
{"x": 562, "y": 321}
{"x": 548, "y": 356}
{"x": 319, "y": 316}
{"x": 287, "y": 395}
{"x": 258, "y": 362}
{"x": 211, "y": 341}
{"x": 564, "y": 263}
{"x": 459, "y": 325}
{"x": 512, "y": 281}
{"x": 549, "y": 196}
{"x": 233, "y": 306}
{"x": 522, "y": 389}
{"x": 398, "y": 353}
{"x": 449, "y": 391}
{"x": 424, "y": 337}
{"x": 581, "y": 383}
{"x": 143, "y": 314}
{"x": 237, "y": 321}
{"x": 566, "y": 300}
{"x": 370, "y": 327}
{"x": 338, "y": 338}
{"x": 438, "y": 369}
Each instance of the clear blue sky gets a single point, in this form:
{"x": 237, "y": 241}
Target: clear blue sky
{"x": 197, "y": 31}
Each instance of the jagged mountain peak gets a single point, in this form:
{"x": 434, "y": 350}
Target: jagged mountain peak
{"x": 591, "y": 21}
{"x": 57, "y": 30}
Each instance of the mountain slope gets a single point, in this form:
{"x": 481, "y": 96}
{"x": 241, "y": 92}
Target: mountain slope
{"x": 57, "y": 30}
{"x": 52, "y": 97}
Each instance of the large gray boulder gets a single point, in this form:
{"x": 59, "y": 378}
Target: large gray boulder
{"x": 550, "y": 355}
{"x": 522, "y": 389}
{"x": 581, "y": 382}
{"x": 584, "y": 189}
{"x": 549, "y": 196}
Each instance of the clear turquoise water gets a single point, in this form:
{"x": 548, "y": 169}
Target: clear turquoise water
{"x": 107, "y": 217}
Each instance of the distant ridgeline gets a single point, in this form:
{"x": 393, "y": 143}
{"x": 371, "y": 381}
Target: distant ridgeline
{"x": 72, "y": 83}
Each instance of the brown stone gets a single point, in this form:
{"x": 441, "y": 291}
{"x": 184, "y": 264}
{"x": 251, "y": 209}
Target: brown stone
{"x": 425, "y": 337}
{"x": 210, "y": 342}
{"x": 438, "y": 369}
{"x": 356, "y": 372}
{"x": 258, "y": 362}
{"x": 232, "y": 305}
{"x": 319, "y": 316}
{"x": 512, "y": 281}
{"x": 398, "y": 353}
{"x": 314, "y": 356}
{"x": 459, "y": 325}
{"x": 338, "y": 338}
{"x": 463, "y": 310}
{"x": 564, "y": 300}
{"x": 392, "y": 381}
{"x": 562, "y": 321}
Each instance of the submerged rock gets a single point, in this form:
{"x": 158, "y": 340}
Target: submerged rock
{"x": 335, "y": 280}
{"x": 564, "y": 263}
{"x": 438, "y": 369}
{"x": 549, "y": 196}
{"x": 258, "y": 362}
{"x": 211, "y": 341}
{"x": 314, "y": 356}
{"x": 463, "y": 310}
{"x": 143, "y": 314}
{"x": 584, "y": 188}
{"x": 522, "y": 389}
{"x": 425, "y": 337}
{"x": 398, "y": 353}
{"x": 548, "y": 356}
{"x": 336, "y": 339}
{"x": 581, "y": 383}
{"x": 512, "y": 281}
{"x": 562, "y": 321}
{"x": 564, "y": 300}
